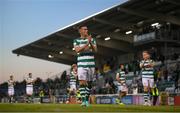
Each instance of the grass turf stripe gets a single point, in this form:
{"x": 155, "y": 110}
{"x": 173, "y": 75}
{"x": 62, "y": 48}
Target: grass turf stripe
{"x": 91, "y": 108}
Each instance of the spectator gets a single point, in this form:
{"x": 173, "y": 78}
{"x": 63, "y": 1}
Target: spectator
{"x": 106, "y": 67}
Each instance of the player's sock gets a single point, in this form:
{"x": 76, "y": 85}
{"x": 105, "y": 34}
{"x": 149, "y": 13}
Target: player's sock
{"x": 82, "y": 91}
{"x": 117, "y": 100}
{"x": 88, "y": 90}
{"x": 32, "y": 99}
{"x": 87, "y": 96}
{"x": 150, "y": 97}
{"x": 29, "y": 99}
{"x": 146, "y": 97}
{"x": 10, "y": 100}
{"x": 121, "y": 99}
{"x": 87, "y": 93}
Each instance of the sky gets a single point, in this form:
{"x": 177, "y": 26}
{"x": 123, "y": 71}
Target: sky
{"x": 25, "y": 21}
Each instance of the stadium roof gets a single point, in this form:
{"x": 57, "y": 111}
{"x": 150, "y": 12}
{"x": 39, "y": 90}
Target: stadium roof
{"x": 120, "y": 22}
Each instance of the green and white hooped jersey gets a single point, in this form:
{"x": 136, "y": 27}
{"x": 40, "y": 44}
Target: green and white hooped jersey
{"x": 147, "y": 72}
{"x": 10, "y": 83}
{"x": 29, "y": 81}
{"x": 122, "y": 75}
{"x": 85, "y": 59}
{"x": 72, "y": 78}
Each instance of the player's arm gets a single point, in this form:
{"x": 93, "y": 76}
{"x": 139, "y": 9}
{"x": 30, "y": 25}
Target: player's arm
{"x": 117, "y": 76}
{"x": 33, "y": 81}
{"x": 75, "y": 75}
{"x": 8, "y": 82}
{"x": 92, "y": 43}
{"x": 78, "y": 48}
{"x": 94, "y": 47}
{"x": 151, "y": 64}
{"x": 27, "y": 81}
{"x": 141, "y": 65}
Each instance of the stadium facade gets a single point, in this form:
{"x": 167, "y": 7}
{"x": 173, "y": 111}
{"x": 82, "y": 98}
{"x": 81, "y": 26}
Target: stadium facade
{"x": 132, "y": 27}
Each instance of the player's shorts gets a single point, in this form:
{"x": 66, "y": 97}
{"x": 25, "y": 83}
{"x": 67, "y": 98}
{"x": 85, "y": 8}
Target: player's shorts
{"x": 29, "y": 89}
{"x": 10, "y": 91}
{"x": 86, "y": 73}
{"x": 122, "y": 88}
{"x": 148, "y": 82}
{"x": 72, "y": 87}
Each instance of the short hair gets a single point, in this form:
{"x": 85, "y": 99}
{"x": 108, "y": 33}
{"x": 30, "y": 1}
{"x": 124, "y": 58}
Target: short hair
{"x": 121, "y": 65}
{"x": 145, "y": 52}
{"x": 80, "y": 26}
{"x": 73, "y": 65}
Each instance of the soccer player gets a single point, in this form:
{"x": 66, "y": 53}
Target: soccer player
{"x": 120, "y": 77}
{"x": 11, "y": 84}
{"x": 147, "y": 71}
{"x": 29, "y": 87}
{"x": 85, "y": 47}
{"x": 73, "y": 79}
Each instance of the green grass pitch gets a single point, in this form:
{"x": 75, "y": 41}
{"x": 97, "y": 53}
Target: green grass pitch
{"x": 77, "y": 108}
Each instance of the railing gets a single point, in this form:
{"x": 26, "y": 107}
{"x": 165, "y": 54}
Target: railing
{"x": 161, "y": 34}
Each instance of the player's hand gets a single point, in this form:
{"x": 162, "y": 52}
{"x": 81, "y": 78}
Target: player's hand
{"x": 89, "y": 37}
{"x": 86, "y": 48}
{"x": 148, "y": 66}
{"x": 121, "y": 82}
